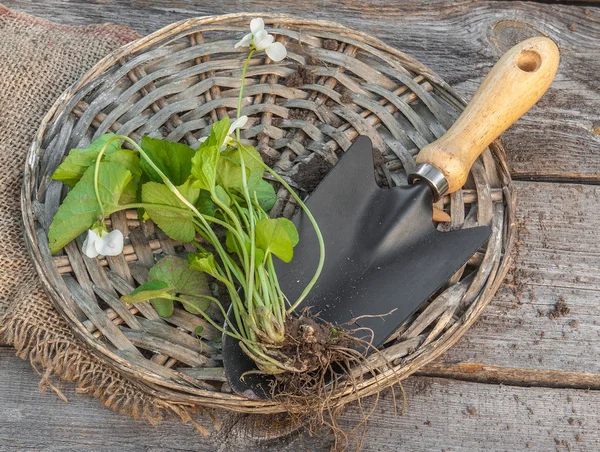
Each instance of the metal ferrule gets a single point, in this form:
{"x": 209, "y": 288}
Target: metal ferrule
{"x": 433, "y": 176}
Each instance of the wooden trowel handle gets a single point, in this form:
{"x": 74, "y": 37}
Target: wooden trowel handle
{"x": 511, "y": 88}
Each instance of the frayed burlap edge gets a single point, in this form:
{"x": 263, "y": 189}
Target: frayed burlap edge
{"x": 40, "y": 60}
{"x": 59, "y": 355}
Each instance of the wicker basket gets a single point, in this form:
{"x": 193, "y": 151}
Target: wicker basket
{"x": 335, "y": 84}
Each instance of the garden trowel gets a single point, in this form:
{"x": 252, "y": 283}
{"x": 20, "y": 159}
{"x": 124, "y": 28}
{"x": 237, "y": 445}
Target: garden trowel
{"x": 383, "y": 255}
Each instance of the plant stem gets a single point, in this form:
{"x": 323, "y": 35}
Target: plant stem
{"x": 234, "y": 334}
{"x": 263, "y": 313}
{"x": 238, "y": 306}
{"x": 237, "y": 228}
{"x": 250, "y": 274}
{"x": 213, "y": 238}
{"x": 310, "y": 216}
{"x": 240, "y": 97}
{"x": 97, "y": 171}
{"x": 279, "y": 293}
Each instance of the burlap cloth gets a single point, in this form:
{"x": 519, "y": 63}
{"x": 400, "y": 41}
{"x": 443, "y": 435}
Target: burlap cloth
{"x": 38, "y": 61}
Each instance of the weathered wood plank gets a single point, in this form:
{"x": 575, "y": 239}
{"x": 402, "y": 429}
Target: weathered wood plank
{"x": 42, "y": 421}
{"x": 557, "y": 258}
{"x": 501, "y": 324}
{"x": 457, "y": 416}
{"x": 440, "y": 415}
{"x": 558, "y": 140}
{"x": 452, "y": 20}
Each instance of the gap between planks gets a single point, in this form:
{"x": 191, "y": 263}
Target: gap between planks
{"x": 556, "y": 178}
{"x": 480, "y": 373}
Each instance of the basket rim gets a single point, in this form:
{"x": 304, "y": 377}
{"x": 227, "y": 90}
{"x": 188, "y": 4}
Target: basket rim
{"x": 175, "y": 391}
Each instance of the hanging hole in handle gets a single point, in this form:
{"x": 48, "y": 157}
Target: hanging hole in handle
{"x": 529, "y": 61}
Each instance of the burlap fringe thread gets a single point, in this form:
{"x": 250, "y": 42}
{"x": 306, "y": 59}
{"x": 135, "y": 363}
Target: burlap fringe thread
{"x": 52, "y": 354}
{"x": 30, "y": 323}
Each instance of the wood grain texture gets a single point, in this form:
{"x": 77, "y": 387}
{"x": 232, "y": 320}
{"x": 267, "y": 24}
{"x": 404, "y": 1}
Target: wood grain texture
{"x": 370, "y": 65}
{"x": 508, "y": 333}
{"x": 440, "y": 415}
{"x": 42, "y": 421}
{"x": 445, "y": 415}
{"x": 556, "y": 259}
{"x": 558, "y": 140}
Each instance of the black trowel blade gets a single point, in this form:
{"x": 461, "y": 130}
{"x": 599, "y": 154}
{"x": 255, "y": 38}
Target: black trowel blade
{"x": 383, "y": 255}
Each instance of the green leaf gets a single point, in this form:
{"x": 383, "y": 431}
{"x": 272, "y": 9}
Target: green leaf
{"x": 259, "y": 254}
{"x": 79, "y": 160}
{"x": 277, "y": 236}
{"x": 205, "y": 204}
{"x": 265, "y": 194}
{"x": 177, "y": 225}
{"x": 218, "y": 133}
{"x": 204, "y": 167}
{"x": 195, "y": 305}
{"x": 173, "y": 160}
{"x": 187, "y": 283}
{"x": 189, "y": 192}
{"x": 198, "y": 330}
{"x": 203, "y": 262}
{"x": 80, "y": 208}
{"x": 230, "y": 243}
{"x": 131, "y": 161}
{"x": 164, "y": 307}
{"x": 291, "y": 230}
{"x": 222, "y": 195}
{"x": 176, "y": 272}
{"x": 229, "y": 170}
{"x": 148, "y": 291}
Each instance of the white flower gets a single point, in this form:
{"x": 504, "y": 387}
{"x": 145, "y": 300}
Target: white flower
{"x": 101, "y": 242}
{"x": 259, "y": 39}
{"x": 237, "y": 124}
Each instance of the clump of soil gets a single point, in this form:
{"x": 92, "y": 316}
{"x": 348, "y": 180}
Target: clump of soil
{"x": 378, "y": 158}
{"x": 296, "y": 113}
{"x": 311, "y": 345}
{"x": 560, "y": 309}
{"x": 302, "y": 76}
{"x": 310, "y": 172}
{"x": 346, "y": 97}
{"x": 326, "y": 360}
{"x": 471, "y": 410}
{"x": 325, "y": 356}
{"x": 330, "y": 44}
{"x": 311, "y": 61}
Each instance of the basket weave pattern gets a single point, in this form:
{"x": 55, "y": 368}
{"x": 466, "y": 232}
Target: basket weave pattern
{"x": 304, "y": 112}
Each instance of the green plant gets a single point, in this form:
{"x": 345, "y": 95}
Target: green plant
{"x": 216, "y": 192}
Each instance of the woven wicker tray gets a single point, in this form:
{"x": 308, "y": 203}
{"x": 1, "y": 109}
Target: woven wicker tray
{"x": 304, "y": 112}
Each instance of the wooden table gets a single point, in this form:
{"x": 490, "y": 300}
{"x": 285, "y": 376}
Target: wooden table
{"x": 525, "y": 376}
